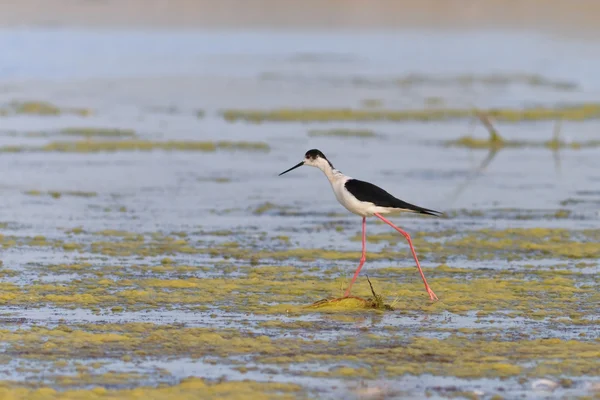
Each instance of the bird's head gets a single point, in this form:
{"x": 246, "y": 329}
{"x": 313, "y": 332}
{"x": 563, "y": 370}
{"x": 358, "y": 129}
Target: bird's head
{"x": 313, "y": 158}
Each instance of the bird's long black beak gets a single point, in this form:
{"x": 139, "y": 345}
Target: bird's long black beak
{"x": 301, "y": 163}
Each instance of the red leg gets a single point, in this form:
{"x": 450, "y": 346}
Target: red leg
{"x": 432, "y": 295}
{"x": 363, "y": 258}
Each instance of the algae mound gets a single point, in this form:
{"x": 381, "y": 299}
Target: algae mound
{"x": 94, "y": 146}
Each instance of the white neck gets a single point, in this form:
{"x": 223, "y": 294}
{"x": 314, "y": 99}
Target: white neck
{"x": 331, "y": 173}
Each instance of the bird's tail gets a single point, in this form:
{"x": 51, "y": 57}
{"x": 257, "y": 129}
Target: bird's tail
{"x": 419, "y": 210}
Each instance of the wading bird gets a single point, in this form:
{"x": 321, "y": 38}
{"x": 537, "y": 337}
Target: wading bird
{"x": 365, "y": 199}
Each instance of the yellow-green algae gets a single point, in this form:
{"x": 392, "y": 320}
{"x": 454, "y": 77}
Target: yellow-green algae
{"x": 553, "y": 302}
{"x": 85, "y": 377}
{"x": 420, "y": 79}
{"x": 576, "y": 112}
{"x": 484, "y": 244}
{"x": 218, "y": 179}
{"x": 471, "y": 142}
{"x": 495, "y": 142}
{"x": 92, "y": 146}
{"x": 44, "y": 108}
{"x": 268, "y": 206}
{"x": 98, "y": 132}
{"x": 530, "y": 293}
{"x": 463, "y": 355}
{"x": 513, "y": 243}
{"x": 353, "y": 303}
{"x": 522, "y": 323}
{"x": 58, "y": 194}
{"x": 434, "y": 101}
{"x": 372, "y": 103}
{"x": 189, "y": 388}
{"x": 533, "y": 80}
{"x": 340, "y": 132}
{"x": 457, "y": 355}
{"x": 503, "y": 244}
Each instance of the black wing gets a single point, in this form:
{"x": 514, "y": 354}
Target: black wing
{"x": 365, "y": 191}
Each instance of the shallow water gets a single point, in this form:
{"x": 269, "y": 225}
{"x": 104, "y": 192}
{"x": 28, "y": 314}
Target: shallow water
{"x": 218, "y": 256}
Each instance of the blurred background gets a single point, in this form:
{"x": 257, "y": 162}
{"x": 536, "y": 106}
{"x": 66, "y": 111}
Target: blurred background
{"x": 551, "y": 15}
{"x": 140, "y": 142}
{"x": 180, "y": 70}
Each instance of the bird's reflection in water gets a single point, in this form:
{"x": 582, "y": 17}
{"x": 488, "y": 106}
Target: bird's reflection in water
{"x": 495, "y": 147}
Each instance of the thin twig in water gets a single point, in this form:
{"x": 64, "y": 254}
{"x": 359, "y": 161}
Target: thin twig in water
{"x": 371, "y": 285}
{"x": 485, "y": 120}
{"x": 556, "y": 145}
{"x": 378, "y": 303}
{"x": 496, "y": 141}
{"x": 557, "y": 128}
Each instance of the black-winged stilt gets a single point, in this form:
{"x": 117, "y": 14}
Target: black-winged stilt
{"x": 365, "y": 199}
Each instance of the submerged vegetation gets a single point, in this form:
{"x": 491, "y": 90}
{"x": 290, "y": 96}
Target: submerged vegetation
{"x": 436, "y": 80}
{"x": 123, "y": 293}
{"x": 42, "y": 108}
{"x": 58, "y": 194}
{"x": 98, "y": 132}
{"x": 91, "y": 146}
{"x": 187, "y": 389}
{"x": 534, "y": 244}
{"x": 467, "y": 80}
{"x": 578, "y": 112}
{"x": 496, "y": 142}
{"x": 476, "y": 143}
{"x": 340, "y": 132}
{"x": 568, "y": 295}
{"x": 353, "y": 303}
{"x": 372, "y": 103}
{"x": 252, "y": 299}
{"x": 270, "y": 321}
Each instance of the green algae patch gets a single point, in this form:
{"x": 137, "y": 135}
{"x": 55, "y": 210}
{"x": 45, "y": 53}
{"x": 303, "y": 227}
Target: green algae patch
{"x": 576, "y": 112}
{"x": 93, "y": 146}
{"x": 268, "y": 327}
{"x": 89, "y": 132}
{"x": 268, "y": 207}
{"x": 511, "y": 244}
{"x": 351, "y": 133}
{"x": 499, "y": 79}
{"x": 372, "y": 103}
{"x": 471, "y": 142}
{"x": 434, "y": 101}
{"x": 44, "y": 108}
{"x": 58, "y": 194}
{"x": 216, "y": 179}
{"x": 464, "y": 354}
{"x": 455, "y": 355}
{"x": 494, "y": 142}
{"x": 349, "y": 304}
{"x": 141, "y": 340}
{"x": 110, "y": 379}
{"x": 484, "y": 244}
{"x": 563, "y": 293}
{"x": 189, "y": 388}
{"x": 353, "y": 303}
{"x": 456, "y": 81}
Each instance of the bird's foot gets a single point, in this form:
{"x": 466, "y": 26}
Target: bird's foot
{"x": 432, "y": 295}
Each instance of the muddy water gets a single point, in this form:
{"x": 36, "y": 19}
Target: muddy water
{"x": 134, "y": 270}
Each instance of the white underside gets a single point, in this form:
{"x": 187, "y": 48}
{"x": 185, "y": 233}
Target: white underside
{"x": 352, "y": 204}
